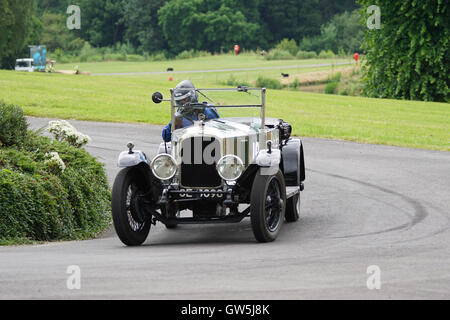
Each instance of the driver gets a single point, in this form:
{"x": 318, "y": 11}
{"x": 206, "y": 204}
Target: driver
{"x": 189, "y": 109}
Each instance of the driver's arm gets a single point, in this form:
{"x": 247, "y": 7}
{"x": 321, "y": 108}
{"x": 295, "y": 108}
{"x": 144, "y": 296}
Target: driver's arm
{"x": 167, "y": 132}
{"x": 211, "y": 113}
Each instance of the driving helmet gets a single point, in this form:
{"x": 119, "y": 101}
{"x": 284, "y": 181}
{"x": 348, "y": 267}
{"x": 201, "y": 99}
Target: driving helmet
{"x": 185, "y": 92}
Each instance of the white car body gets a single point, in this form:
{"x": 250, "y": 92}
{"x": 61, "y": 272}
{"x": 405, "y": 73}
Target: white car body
{"x": 24, "y": 65}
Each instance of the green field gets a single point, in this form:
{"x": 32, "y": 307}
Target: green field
{"x": 201, "y": 63}
{"x": 220, "y": 62}
{"x": 128, "y": 99}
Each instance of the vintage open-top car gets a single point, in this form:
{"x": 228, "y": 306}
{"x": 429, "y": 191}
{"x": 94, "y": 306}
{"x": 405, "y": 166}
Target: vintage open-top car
{"x": 219, "y": 170}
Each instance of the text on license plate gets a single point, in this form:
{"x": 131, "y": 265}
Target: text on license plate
{"x": 201, "y": 195}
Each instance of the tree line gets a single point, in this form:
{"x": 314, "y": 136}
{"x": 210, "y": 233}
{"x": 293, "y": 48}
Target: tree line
{"x": 407, "y": 58}
{"x": 173, "y": 26}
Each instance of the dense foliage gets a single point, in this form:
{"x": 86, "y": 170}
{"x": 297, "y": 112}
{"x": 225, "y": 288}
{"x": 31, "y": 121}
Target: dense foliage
{"x": 141, "y": 23}
{"x": 41, "y": 201}
{"x": 192, "y": 24}
{"x": 13, "y": 125}
{"x": 16, "y": 28}
{"x": 409, "y": 57}
{"x": 344, "y": 33}
{"x": 161, "y": 26}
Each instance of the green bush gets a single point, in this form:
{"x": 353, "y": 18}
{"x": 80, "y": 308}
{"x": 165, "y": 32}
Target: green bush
{"x": 114, "y": 57}
{"x": 277, "y": 54}
{"x": 409, "y": 56}
{"x": 86, "y": 52}
{"x": 135, "y": 58}
{"x": 39, "y": 204}
{"x": 186, "y": 54}
{"x": 66, "y": 59}
{"x": 268, "y": 83}
{"x": 288, "y": 45}
{"x": 233, "y": 82}
{"x": 13, "y": 125}
{"x": 76, "y": 45}
{"x": 94, "y": 58}
{"x": 350, "y": 84}
{"x": 326, "y": 54}
{"x": 158, "y": 57}
{"x": 295, "y": 84}
{"x": 306, "y": 55}
{"x": 336, "y": 77}
{"x": 189, "y": 54}
{"x": 331, "y": 87}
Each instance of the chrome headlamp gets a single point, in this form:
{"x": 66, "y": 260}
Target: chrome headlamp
{"x": 164, "y": 166}
{"x": 230, "y": 167}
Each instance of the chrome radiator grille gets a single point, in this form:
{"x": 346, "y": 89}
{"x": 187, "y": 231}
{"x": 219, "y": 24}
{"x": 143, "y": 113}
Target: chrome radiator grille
{"x": 199, "y": 158}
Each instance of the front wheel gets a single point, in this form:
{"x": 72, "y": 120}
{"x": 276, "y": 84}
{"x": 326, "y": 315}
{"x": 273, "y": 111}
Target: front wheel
{"x": 267, "y": 206}
{"x": 131, "y": 222}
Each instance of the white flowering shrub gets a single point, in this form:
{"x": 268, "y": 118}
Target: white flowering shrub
{"x": 62, "y": 130}
{"x": 50, "y": 189}
{"x": 54, "y": 161}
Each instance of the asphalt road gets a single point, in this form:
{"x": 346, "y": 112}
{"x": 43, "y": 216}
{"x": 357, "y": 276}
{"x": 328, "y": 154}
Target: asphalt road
{"x": 363, "y": 205}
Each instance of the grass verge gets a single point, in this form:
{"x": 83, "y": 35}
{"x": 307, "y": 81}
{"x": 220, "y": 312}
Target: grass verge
{"x": 413, "y": 124}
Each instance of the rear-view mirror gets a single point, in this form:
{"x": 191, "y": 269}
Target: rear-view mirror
{"x": 157, "y": 97}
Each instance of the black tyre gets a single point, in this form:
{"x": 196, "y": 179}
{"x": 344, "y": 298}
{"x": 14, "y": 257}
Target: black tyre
{"x": 131, "y": 222}
{"x": 171, "y": 225}
{"x": 293, "y": 208}
{"x": 267, "y": 206}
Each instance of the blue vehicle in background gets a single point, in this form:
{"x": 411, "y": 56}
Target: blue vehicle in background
{"x": 36, "y": 62}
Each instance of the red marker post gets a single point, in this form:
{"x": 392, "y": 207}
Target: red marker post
{"x": 236, "y": 49}
{"x": 356, "y": 57}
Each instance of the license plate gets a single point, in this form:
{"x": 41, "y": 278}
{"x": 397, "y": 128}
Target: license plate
{"x": 202, "y": 193}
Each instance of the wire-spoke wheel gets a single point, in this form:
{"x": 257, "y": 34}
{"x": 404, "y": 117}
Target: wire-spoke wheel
{"x": 131, "y": 222}
{"x": 267, "y": 206}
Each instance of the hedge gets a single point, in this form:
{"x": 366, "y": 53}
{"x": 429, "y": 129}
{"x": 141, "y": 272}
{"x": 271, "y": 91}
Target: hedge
{"x": 13, "y": 125}
{"x": 39, "y": 203}
{"x": 268, "y": 83}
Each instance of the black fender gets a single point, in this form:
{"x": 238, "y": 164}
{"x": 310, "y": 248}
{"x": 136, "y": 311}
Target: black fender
{"x": 293, "y": 162}
{"x": 151, "y": 184}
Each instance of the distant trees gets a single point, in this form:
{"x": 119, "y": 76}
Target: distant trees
{"x": 102, "y": 21}
{"x": 295, "y": 19}
{"x": 190, "y": 24}
{"x": 255, "y": 23}
{"x": 16, "y": 28}
{"x": 142, "y": 28}
{"x": 409, "y": 57}
{"x": 154, "y": 25}
{"x": 53, "y": 6}
{"x": 345, "y": 32}
{"x": 55, "y": 35}
{"x": 171, "y": 26}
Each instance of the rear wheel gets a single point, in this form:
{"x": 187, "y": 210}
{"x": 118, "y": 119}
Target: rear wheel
{"x": 293, "y": 208}
{"x": 267, "y": 206}
{"x": 131, "y": 222}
